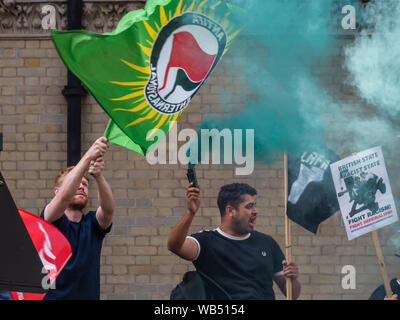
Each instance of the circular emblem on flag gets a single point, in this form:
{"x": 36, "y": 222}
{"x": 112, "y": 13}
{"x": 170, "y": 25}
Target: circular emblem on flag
{"x": 184, "y": 53}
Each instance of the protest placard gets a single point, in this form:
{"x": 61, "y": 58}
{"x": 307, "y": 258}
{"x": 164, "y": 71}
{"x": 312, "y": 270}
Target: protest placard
{"x": 364, "y": 194}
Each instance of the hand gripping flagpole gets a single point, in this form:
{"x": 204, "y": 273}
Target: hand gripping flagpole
{"x": 288, "y": 236}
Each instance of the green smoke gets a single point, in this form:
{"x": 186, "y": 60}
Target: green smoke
{"x": 373, "y": 61}
{"x": 276, "y": 54}
{"x": 374, "y": 58}
{"x": 374, "y": 66}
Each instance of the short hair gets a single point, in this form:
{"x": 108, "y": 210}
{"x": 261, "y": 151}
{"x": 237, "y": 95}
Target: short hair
{"x": 60, "y": 177}
{"x": 230, "y": 194}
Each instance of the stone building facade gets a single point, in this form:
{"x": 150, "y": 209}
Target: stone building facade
{"x": 150, "y": 199}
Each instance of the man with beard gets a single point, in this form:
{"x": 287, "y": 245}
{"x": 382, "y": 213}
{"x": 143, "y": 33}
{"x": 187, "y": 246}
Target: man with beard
{"x": 80, "y": 278}
{"x": 236, "y": 259}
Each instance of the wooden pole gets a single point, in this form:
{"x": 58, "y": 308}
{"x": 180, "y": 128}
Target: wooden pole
{"x": 288, "y": 236}
{"x": 381, "y": 263}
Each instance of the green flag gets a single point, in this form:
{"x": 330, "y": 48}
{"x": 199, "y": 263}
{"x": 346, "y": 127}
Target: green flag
{"x": 145, "y": 72}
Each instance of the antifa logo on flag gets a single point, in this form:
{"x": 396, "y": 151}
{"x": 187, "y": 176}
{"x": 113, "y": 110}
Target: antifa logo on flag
{"x": 192, "y": 67}
{"x": 312, "y": 196}
{"x": 186, "y": 50}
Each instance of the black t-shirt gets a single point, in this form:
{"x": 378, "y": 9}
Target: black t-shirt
{"x": 80, "y": 278}
{"x": 380, "y": 292}
{"x": 244, "y": 267}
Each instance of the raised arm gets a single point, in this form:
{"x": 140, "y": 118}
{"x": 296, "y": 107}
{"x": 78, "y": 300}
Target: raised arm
{"x": 66, "y": 191}
{"x": 178, "y": 242}
{"x": 105, "y": 211}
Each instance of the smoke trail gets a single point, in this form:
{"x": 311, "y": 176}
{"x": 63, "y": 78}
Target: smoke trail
{"x": 374, "y": 66}
{"x": 373, "y": 61}
{"x": 285, "y": 39}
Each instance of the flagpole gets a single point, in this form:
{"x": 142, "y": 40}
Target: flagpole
{"x": 381, "y": 263}
{"x": 288, "y": 237}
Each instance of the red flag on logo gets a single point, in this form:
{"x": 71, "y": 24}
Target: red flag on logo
{"x": 52, "y": 247}
{"x": 187, "y": 54}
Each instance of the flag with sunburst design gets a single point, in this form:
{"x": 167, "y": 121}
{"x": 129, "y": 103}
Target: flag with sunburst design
{"x": 145, "y": 72}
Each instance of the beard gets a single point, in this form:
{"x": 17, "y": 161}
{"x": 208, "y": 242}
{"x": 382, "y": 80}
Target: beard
{"x": 240, "y": 226}
{"x": 78, "y": 204}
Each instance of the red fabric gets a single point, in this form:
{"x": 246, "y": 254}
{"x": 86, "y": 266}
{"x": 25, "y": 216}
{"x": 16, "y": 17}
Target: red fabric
{"x": 52, "y": 247}
{"x": 187, "y": 55}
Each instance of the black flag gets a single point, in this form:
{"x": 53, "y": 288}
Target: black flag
{"x": 20, "y": 267}
{"x": 311, "y": 192}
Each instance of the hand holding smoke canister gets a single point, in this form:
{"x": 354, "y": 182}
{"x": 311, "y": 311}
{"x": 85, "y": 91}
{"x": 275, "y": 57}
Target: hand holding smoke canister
{"x": 191, "y": 174}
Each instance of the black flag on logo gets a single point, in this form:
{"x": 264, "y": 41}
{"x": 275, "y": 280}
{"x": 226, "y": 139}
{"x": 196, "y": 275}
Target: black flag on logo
{"x": 312, "y": 196}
